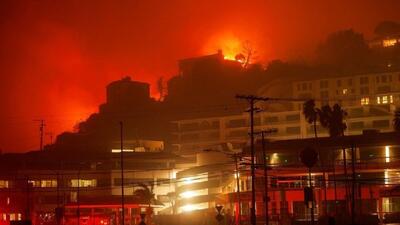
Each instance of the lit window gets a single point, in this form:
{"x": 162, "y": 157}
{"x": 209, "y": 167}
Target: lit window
{"x": 391, "y": 98}
{"x": 344, "y": 91}
{"x": 3, "y": 183}
{"x": 83, "y": 183}
{"x": 378, "y": 100}
{"x": 389, "y": 42}
{"x": 43, "y": 183}
{"x": 34, "y": 183}
{"x": 385, "y": 99}
{"x": 119, "y": 150}
{"x": 48, "y": 183}
{"x": 365, "y": 101}
{"x": 386, "y": 175}
{"x": 387, "y": 154}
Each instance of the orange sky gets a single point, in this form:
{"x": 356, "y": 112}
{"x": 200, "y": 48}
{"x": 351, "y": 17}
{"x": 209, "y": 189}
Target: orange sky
{"x": 57, "y": 56}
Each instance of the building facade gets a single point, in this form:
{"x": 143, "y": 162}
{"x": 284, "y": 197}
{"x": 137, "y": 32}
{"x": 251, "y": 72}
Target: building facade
{"x": 369, "y": 100}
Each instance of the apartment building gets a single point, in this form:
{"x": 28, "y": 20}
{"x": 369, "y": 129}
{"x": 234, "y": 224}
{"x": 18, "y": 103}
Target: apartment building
{"x": 369, "y": 100}
{"x": 87, "y": 185}
{"x": 364, "y": 89}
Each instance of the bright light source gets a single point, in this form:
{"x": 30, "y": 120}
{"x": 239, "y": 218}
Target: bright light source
{"x": 119, "y": 150}
{"x": 387, "y": 154}
{"x": 365, "y": 101}
{"x": 386, "y": 177}
{"x": 188, "y": 180}
{"x": 188, "y": 194}
{"x": 274, "y": 158}
{"x": 389, "y": 42}
{"x": 236, "y": 175}
{"x": 189, "y": 208}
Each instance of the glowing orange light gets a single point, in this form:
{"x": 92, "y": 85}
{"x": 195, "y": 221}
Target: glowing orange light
{"x": 230, "y": 45}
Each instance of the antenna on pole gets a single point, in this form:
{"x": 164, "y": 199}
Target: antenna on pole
{"x": 41, "y": 131}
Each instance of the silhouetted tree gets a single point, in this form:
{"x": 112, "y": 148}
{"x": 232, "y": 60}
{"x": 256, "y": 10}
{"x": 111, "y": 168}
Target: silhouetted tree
{"x": 161, "y": 88}
{"x": 248, "y": 52}
{"x": 333, "y": 119}
{"x": 145, "y": 194}
{"x": 310, "y": 112}
{"x": 396, "y": 120}
{"x": 345, "y": 50}
{"x": 387, "y": 28}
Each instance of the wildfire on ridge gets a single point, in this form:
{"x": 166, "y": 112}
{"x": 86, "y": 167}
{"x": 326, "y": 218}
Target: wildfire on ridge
{"x": 230, "y": 45}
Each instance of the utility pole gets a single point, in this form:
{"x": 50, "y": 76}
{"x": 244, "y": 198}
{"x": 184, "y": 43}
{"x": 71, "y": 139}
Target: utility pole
{"x": 266, "y": 198}
{"x": 78, "y": 195}
{"x": 312, "y": 191}
{"x": 252, "y": 100}
{"x": 345, "y": 179}
{"x": 353, "y": 184}
{"x": 238, "y": 213}
{"x": 41, "y": 132}
{"x": 122, "y": 175}
{"x": 334, "y": 182}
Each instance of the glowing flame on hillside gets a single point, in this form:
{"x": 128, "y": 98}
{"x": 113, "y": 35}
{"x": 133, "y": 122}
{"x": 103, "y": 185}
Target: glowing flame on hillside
{"x": 229, "y": 44}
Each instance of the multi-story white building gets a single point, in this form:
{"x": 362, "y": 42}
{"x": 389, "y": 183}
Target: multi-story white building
{"x": 369, "y": 99}
{"x": 364, "y": 89}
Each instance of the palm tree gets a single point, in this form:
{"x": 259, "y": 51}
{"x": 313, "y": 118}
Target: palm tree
{"x": 333, "y": 119}
{"x": 311, "y": 113}
{"x": 396, "y": 120}
{"x": 145, "y": 195}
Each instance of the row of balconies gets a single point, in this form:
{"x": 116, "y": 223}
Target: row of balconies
{"x": 354, "y": 125}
